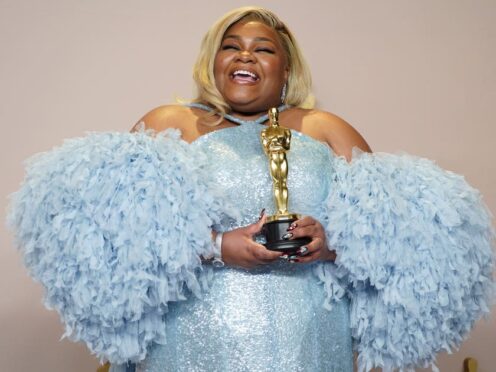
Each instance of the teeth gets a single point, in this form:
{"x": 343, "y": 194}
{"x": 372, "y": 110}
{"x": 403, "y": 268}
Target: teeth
{"x": 244, "y": 72}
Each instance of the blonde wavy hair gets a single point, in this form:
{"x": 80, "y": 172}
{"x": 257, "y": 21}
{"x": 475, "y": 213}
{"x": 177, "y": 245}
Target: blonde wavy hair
{"x": 298, "y": 89}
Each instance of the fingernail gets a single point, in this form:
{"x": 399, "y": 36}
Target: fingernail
{"x": 261, "y": 214}
{"x": 284, "y": 257}
{"x": 293, "y": 257}
{"x": 302, "y": 250}
{"x": 294, "y": 261}
{"x": 290, "y": 228}
{"x": 287, "y": 236}
{"x": 293, "y": 225}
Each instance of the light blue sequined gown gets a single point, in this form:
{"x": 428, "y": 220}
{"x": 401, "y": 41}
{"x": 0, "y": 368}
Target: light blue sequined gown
{"x": 271, "y": 318}
{"x": 113, "y": 225}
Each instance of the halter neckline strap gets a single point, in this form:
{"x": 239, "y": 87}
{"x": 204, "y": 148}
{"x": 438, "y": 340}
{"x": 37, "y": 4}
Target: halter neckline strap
{"x": 262, "y": 119}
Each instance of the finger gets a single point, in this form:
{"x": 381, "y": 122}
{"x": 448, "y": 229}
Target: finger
{"x": 256, "y": 227}
{"x": 304, "y": 221}
{"x": 315, "y": 245}
{"x": 263, "y": 254}
{"x": 262, "y": 212}
{"x": 268, "y": 256}
{"x": 303, "y": 251}
{"x": 298, "y": 256}
{"x": 308, "y": 231}
{"x": 307, "y": 258}
{"x": 309, "y": 249}
{"x": 315, "y": 251}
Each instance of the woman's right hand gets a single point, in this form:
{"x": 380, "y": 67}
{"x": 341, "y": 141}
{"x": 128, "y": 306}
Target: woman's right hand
{"x": 239, "y": 249}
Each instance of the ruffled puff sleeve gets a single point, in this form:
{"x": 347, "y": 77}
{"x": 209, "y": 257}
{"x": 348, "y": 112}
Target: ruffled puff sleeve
{"x": 415, "y": 255}
{"x": 114, "y": 226}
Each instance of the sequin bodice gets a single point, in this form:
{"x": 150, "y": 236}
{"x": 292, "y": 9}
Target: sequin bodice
{"x": 270, "y": 318}
{"x": 242, "y": 170}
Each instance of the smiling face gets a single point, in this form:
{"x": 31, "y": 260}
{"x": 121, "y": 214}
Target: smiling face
{"x": 250, "y": 67}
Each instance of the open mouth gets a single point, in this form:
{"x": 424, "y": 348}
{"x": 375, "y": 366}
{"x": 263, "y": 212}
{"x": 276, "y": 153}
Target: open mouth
{"x": 244, "y": 76}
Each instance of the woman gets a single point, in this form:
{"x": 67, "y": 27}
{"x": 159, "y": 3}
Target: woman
{"x": 247, "y": 60}
{"x": 141, "y": 224}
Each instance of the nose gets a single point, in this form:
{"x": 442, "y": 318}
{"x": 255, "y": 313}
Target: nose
{"x": 246, "y": 56}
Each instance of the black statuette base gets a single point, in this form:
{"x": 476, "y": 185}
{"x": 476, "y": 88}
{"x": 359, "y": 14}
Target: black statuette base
{"x": 275, "y": 230}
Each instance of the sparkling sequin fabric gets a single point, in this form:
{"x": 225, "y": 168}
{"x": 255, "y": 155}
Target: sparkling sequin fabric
{"x": 271, "y": 318}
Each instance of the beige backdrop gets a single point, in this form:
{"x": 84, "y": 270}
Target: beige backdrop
{"x": 417, "y": 76}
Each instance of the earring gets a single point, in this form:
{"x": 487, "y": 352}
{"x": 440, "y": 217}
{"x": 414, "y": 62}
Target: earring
{"x": 283, "y": 93}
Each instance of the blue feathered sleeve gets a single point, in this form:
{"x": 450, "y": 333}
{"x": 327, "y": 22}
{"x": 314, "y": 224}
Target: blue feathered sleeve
{"x": 414, "y": 248}
{"x": 114, "y": 226}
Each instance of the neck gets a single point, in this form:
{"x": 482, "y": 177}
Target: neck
{"x": 242, "y": 117}
{"x": 251, "y": 118}
{"x": 247, "y": 116}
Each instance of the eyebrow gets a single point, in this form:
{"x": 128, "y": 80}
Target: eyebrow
{"x": 237, "y": 37}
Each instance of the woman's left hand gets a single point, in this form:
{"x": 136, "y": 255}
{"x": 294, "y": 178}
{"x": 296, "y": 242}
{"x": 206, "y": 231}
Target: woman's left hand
{"x": 317, "y": 248}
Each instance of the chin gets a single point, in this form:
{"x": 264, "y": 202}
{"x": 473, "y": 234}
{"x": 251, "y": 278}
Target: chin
{"x": 249, "y": 104}
{"x": 241, "y": 101}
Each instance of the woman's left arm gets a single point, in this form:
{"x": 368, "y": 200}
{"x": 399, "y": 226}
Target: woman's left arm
{"x": 414, "y": 243}
{"x": 339, "y": 134}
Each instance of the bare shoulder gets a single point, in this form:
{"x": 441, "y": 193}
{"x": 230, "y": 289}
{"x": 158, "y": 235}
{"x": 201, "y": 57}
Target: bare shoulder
{"x": 339, "y": 134}
{"x": 166, "y": 116}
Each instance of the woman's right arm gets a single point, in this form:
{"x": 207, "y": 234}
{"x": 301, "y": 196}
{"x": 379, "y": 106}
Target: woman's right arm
{"x": 162, "y": 118}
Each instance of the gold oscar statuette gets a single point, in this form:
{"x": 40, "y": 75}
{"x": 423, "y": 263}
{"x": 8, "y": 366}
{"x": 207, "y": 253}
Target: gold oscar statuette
{"x": 276, "y": 142}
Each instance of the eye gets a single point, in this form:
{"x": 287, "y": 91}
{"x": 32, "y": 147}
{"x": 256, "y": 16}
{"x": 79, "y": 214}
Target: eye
{"x": 229, "y": 46}
{"x": 265, "y": 50}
